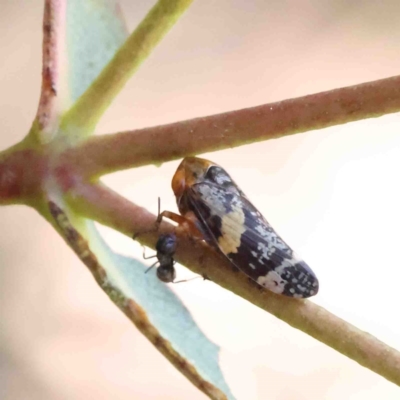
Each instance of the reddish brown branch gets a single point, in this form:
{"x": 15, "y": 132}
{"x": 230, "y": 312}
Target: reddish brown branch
{"x": 54, "y": 13}
{"x": 21, "y": 174}
{"x": 108, "y": 153}
{"x": 107, "y": 207}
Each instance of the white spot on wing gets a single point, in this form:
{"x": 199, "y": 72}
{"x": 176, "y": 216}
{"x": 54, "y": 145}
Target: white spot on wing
{"x": 222, "y": 178}
{"x": 232, "y": 227}
{"x": 232, "y": 223}
{"x": 273, "y": 282}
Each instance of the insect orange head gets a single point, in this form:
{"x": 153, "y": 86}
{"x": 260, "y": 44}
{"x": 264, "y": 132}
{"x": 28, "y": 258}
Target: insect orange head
{"x": 190, "y": 171}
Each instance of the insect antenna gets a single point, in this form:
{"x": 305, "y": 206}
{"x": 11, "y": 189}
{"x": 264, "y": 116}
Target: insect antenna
{"x": 156, "y": 225}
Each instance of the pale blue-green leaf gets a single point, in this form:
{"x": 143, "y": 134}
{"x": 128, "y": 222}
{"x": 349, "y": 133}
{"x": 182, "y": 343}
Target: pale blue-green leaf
{"x": 163, "y": 307}
{"x": 95, "y": 31}
{"x": 123, "y": 278}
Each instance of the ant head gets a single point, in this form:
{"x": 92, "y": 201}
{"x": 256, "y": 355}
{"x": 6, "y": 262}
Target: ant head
{"x": 166, "y": 244}
{"x": 166, "y": 273}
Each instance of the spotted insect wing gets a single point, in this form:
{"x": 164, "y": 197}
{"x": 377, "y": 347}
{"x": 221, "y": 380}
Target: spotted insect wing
{"x": 235, "y": 227}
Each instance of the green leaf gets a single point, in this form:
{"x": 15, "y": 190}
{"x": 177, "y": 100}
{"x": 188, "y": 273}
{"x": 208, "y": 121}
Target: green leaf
{"x": 95, "y": 31}
{"x": 148, "y": 302}
{"x": 81, "y": 119}
{"x": 80, "y": 38}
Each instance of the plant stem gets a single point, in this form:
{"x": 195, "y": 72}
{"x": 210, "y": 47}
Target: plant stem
{"x": 53, "y": 36}
{"x": 88, "y": 109}
{"x": 107, "y": 207}
{"x": 173, "y": 141}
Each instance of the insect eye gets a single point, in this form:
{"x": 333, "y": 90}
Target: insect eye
{"x": 218, "y": 175}
{"x": 210, "y": 174}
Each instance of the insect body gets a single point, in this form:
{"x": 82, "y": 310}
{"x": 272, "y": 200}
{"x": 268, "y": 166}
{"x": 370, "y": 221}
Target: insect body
{"x": 213, "y": 206}
{"x": 165, "y": 247}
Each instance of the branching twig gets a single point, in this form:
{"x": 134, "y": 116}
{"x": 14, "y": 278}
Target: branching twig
{"x": 28, "y": 170}
{"x": 107, "y": 207}
{"x": 132, "y": 149}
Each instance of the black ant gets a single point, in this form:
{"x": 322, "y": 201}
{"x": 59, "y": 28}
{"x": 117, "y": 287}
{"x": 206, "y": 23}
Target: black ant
{"x": 165, "y": 247}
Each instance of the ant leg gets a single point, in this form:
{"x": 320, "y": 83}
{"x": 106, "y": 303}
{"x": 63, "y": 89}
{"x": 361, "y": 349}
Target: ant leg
{"x": 187, "y": 280}
{"x": 151, "y": 266}
{"x": 144, "y": 254}
{"x": 204, "y": 276}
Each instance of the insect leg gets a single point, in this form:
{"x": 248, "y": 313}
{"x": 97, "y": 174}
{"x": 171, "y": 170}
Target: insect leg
{"x": 151, "y": 266}
{"x": 144, "y": 254}
{"x": 189, "y": 223}
{"x": 204, "y": 277}
{"x": 187, "y": 280}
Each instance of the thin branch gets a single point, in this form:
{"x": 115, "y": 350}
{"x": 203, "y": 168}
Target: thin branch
{"x": 164, "y": 143}
{"x": 53, "y": 34}
{"x": 107, "y": 207}
{"x": 88, "y": 109}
